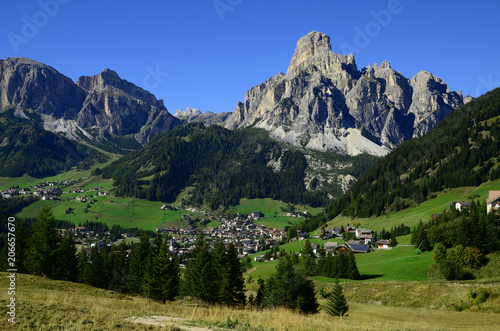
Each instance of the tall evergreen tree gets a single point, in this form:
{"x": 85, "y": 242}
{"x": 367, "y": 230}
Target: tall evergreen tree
{"x": 67, "y": 261}
{"x": 289, "y": 287}
{"x": 308, "y": 259}
{"x": 352, "y": 267}
{"x": 43, "y": 244}
{"x": 137, "y": 266}
{"x": 200, "y": 279}
{"x": 164, "y": 275}
{"x": 171, "y": 285}
{"x": 337, "y": 303}
{"x": 231, "y": 291}
{"x": 119, "y": 271}
{"x": 83, "y": 267}
{"x": 261, "y": 292}
{"x": 97, "y": 275}
{"x": 394, "y": 241}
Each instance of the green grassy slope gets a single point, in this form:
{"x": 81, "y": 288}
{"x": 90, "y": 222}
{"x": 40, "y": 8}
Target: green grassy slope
{"x": 127, "y": 212}
{"x": 43, "y": 304}
{"x": 422, "y": 212}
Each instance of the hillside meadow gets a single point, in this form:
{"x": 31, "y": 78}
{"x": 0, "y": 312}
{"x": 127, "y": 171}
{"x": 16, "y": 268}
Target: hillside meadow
{"x": 422, "y": 212}
{"x": 127, "y": 212}
{"x": 44, "y": 304}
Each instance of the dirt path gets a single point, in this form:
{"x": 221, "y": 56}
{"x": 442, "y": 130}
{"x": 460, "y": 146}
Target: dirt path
{"x": 164, "y": 321}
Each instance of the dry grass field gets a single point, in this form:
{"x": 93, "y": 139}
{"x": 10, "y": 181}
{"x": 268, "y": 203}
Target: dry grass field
{"x": 43, "y": 304}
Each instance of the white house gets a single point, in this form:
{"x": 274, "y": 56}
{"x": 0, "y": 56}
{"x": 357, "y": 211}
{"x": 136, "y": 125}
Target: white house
{"x": 459, "y": 205}
{"x": 493, "y": 201}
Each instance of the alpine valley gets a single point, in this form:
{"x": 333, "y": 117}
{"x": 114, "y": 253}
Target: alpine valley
{"x": 340, "y": 119}
{"x": 246, "y": 220}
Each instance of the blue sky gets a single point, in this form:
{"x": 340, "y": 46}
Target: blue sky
{"x": 206, "y": 54}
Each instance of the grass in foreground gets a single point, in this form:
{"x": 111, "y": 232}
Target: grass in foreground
{"x": 47, "y": 305}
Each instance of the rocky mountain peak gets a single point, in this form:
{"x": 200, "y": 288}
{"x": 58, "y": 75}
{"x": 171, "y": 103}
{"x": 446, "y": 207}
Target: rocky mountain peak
{"x": 324, "y": 102}
{"x": 104, "y": 101}
{"x": 179, "y": 113}
{"x": 98, "y": 82}
{"x": 311, "y": 44}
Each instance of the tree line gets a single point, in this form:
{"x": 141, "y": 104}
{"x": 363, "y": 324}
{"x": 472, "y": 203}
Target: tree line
{"x": 463, "y": 150}
{"x": 460, "y": 239}
{"x": 32, "y": 150}
{"x": 223, "y": 166}
{"x": 212, "y": 274}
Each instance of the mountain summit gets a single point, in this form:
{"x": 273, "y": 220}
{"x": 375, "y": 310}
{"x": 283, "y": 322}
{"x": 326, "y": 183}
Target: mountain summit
{"x": 308, "y": 46}
{"x": 92, "y": 109}
{"x": 324, "y": 102}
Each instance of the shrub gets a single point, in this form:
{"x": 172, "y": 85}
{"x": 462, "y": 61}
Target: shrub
{"x": 455, "y": 254}
{"x": 452, "y": 270}
{"x": 449, "y": 269}
{"x": 481, "y": 296}
{"x": 439, "y": 252}
{"x": 472, "y": 258}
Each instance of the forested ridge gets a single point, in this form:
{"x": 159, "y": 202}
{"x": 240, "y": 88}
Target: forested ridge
{"x": 222, "y": 165}
{"x": 27, "y": 148}
{"x": 463, "y": 150}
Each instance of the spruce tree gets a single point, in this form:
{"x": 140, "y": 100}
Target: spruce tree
{"x": 231, "y": 291}
{"x": 137, "y": 265}
{"x": 308, "y": 259}
{"x": 261, "y": 292}
{"x": 67, "y": 261}
{"x": 289, "y": 287}
{"x": 164, "y": 275}
{"x": 337, "y": 303}
{"x": 97, "y": 276}
{"x": 394, "y": 241}
{"x": 119, "y": 257}
{"x": 352, "y": 268}
{"x": 43, "y": 244}
{"x": 171, "y": 285}
{"x": 83, "y": 267}
{"x": 200, "y": 279}
{"x": 219, "y": 257}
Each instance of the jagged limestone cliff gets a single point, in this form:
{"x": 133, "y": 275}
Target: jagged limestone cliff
{"x": 104, "y": 102}
{"x": 324, "y": 102}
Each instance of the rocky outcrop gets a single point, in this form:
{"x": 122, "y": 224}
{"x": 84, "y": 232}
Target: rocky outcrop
{"x": 195, "y": 115}
{"x": 324, "y": 102}
{"x": 104, "y": 102}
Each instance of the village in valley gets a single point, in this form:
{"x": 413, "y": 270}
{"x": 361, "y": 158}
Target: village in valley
{"x": 243, "y": 230}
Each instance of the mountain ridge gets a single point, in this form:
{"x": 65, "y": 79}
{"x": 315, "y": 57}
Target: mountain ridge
{"x": 104, "y": 103}
{"x": 323, "y": 98}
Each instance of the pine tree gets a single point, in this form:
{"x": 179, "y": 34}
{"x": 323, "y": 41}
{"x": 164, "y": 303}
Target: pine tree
{"x": 231, "y": 291}
{"x": 394, "y": 241}
{"x": 261, "y": 292}
{"x": 219, "y": 257}
{"x": 289, "y": 287}
{"x": 43, "y": 244}
{"x": 83, "y": 267}
{"x": 337, "y": 303}
{"x": 137, "y": 265}
{"x": 163, "y": 275}
{"x": 97, "y": 276}
{"x": 308, "y": 259}
{"x": 200, "y": 279}
{"x": 352, "y": 268}
{"x": 171, "y": 286}
{"x": 67, "y": 262}
{"x": 119, "y": 257}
